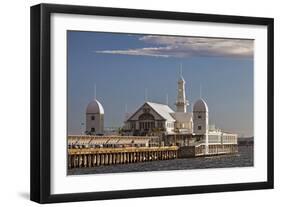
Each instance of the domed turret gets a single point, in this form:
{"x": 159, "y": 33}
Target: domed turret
{"x": 200, "y": 117}
{"x": 94, "y": 107}
{"x": 200, "y": 106}
{"x": 94, "y": 118}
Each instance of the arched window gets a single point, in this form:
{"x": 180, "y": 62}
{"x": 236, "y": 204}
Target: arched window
{"x": 147, "y": 121}
{"x": 146, "y": 116}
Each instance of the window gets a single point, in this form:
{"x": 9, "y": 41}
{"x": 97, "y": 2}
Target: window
{"x": 199, "y": 117}
{"x": 133, "y": 125}
{"x": 93, "y": 130}
{"x": 199, "y": 127}
{"x": 93, "y": 117}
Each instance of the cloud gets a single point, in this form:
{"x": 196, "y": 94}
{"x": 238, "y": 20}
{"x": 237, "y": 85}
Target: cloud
{"x": 155, "y": 52}
{"x": 182, "y": 47}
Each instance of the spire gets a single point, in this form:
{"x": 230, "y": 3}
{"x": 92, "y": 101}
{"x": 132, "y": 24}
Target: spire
{"x": 181, "y": 102}
{"x": 200, "y": 91}
{"x": 95, "y": 91}
{"x": 181, "y": 69}
{"x": 190, "y": 97}
{"x": 181, "y": 77}
{"x": 167, "y": 99}
{"x": 127, "y": 115}
{"x": 145, "y": 95}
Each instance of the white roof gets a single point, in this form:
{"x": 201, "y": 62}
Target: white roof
{"x": 182, "y": 116}
{"x": 141, "y": 141}
{"x": 94, "y": 107}
{"x": 98, "y": 140}
{"x": 163, "y": 110}
{"x": 200, "y": 106}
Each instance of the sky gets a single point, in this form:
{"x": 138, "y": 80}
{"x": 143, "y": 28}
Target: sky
{"x": 127, "y": 68}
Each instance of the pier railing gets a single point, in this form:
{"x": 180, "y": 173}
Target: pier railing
{"x": 213, "y": 149}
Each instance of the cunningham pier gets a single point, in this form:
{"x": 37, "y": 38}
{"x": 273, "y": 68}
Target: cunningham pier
{"x": 154, "y": 131}
{"x": 92, "y": 151}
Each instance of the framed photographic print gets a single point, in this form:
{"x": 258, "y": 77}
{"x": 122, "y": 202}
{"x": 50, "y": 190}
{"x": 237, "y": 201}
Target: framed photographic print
{"x": 132, "y": 103}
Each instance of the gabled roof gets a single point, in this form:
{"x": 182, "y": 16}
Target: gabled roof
{"x": 163, "y": 110}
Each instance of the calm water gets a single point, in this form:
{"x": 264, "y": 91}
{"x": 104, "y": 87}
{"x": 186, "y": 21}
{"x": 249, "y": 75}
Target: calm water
{"x": 243, "y": 159}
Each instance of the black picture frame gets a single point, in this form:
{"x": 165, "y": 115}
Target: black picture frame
{"x": 41, "y": 97}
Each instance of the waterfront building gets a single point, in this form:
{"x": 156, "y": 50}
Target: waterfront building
{"x": 180, "y": 127}
{"x": 150, "y": 118}
{"x": 153, "y": 132}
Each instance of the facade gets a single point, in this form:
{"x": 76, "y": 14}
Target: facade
{"x": 150, "y": 118}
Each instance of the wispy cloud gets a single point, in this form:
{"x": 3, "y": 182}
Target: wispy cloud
{"x": 182, "y": 47}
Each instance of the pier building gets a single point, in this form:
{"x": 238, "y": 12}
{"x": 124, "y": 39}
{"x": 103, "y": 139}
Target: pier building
{"x": 153, "y": 132}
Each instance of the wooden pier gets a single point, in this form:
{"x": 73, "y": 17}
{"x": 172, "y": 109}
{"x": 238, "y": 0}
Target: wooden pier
{"x": 91, "y": 157}
{"x": 92, "y": 151}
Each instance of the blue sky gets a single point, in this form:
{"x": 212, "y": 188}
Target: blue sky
{"x": 123, "y": 66}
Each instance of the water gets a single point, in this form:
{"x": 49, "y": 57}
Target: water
{"x": 243, "y": 159}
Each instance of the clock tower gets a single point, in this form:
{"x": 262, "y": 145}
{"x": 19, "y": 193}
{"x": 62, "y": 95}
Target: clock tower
{"x": 181, "y": 103}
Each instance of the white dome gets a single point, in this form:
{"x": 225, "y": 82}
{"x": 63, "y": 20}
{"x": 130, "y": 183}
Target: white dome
{"x": 94, "y": 107}
{"x": 200, "y": 106}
